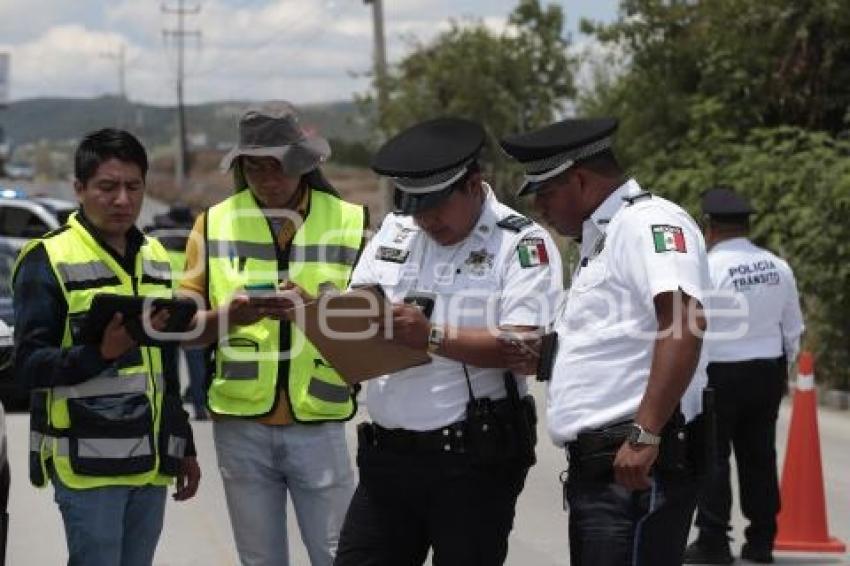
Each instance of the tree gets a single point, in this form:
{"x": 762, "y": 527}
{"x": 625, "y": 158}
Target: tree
{"x": 733, "y": 64}
{"x": 753, "y": 94}
{"x": 799, "y": 183}
{"x": 510, "y": 82}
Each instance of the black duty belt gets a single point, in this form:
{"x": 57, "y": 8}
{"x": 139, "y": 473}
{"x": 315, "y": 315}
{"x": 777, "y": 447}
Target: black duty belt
{"x": 450, "y": 439}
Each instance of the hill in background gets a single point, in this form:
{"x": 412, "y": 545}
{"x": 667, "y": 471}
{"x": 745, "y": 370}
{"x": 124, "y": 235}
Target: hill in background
{"x": 45, "y": 131}
{"x": 66, "y": 119}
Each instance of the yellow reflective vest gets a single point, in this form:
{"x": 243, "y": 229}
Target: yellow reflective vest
{"x": 116, "y": 428}
{"x": 253, "y": 361}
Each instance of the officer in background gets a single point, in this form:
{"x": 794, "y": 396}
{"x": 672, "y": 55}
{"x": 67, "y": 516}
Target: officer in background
{"x": 627, "y": 375}
{"x": 450, "y": 443}
{"x": 748, "y": 357}
{"x": 107, "y": 426}
{"x": 172, "y": 229}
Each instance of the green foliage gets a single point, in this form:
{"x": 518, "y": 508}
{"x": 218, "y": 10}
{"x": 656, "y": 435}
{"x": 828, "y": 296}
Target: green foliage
{"x": 509, "y": 82}
{"x": 753, "y": 94}
{"x": 799, "y": 182}
{"x": 735, "y": 64}
{"x": 353, "y": 153}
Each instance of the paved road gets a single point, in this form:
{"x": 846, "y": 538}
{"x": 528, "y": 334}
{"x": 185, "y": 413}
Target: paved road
{"x": 198, "y": 533}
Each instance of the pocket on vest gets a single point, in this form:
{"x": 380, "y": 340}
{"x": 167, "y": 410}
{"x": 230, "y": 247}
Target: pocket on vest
{"x": 111, "y": 435}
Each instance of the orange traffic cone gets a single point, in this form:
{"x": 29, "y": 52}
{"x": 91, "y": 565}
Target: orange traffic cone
{"x": 802, "y": 521}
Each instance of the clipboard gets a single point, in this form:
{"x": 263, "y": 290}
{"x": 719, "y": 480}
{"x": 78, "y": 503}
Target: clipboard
{"x": 342, "y": 329}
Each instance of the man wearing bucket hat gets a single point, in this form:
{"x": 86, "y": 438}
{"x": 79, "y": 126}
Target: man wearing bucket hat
{"x": 449, "y": 444}
{"x": 278, "y": 406}
{"x": 628, "y": 348}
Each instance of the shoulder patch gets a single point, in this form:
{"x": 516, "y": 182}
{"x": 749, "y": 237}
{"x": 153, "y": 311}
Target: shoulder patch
{"x": 638, "y": 197}
{"x": 667, "y": 238}
{"x": 531, "y": 252}
{"x": 395, "y": 255}
{"x": 514, "y": 222}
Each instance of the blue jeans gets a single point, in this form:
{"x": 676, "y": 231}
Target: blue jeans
{"x": 261, "y": 463}
{"x": 111, "y": 526}
{"x": 196, "y": 363}
{"x": 613, "y": 526}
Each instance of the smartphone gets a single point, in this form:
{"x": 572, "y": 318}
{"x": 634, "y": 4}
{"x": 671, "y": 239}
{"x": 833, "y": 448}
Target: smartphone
{"x": 422, "y": 299}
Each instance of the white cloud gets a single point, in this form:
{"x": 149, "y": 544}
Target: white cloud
{"x": 66, "y": 61}
{"x": 305, "y": 50}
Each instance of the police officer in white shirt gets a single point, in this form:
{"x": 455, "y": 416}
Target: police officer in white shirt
{"x": 628, "y": 374}
{"x": 748, "y": 350}
{"x": 446, "y": 454}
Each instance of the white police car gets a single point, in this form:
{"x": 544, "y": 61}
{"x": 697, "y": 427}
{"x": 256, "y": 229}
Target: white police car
{"x": 22, "y": 218}
{"x": 12, "y": 396}
{"x": 4, "y": 487}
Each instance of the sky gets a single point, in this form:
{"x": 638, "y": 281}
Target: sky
{"x": 306, "y": 51}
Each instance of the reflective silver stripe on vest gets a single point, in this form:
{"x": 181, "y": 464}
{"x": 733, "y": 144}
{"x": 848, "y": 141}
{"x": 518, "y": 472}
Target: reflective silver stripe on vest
{"x": 239, "y": 248}
{"x": 36, "y": 439}
{"x": 328, "y": 391}
{"x": 325, "y": 254}
{"x": 240, "y": 370}
{"x": 81, "y": 272}
{"x": 158, "y": 269}
{"x": 107, "y": 448}
{"x": 108, "y": 385}
{"x": 176, "y": 446}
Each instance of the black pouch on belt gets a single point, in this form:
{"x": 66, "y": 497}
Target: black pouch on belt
{"x": 483, "y": 432}
{"x": 673, "y": 456}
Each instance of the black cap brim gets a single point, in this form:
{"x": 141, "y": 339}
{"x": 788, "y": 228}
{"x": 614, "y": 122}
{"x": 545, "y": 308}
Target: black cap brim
{"x": 530, "y": 187}
{"x": 408, "y": 203}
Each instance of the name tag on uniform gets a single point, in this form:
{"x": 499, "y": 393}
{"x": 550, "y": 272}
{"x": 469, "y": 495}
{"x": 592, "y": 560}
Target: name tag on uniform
{"x": 395, "y": 255}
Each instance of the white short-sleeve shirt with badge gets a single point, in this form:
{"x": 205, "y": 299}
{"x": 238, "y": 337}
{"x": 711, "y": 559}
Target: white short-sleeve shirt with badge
{"x": 634, "y": 247}
{"x": 506, "y": 272}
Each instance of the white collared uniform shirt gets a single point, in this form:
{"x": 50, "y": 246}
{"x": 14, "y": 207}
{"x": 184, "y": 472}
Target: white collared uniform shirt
{"x": 755, "y": 307}
{"x": 495, "y": 277}
{"x": 608, "y": 328}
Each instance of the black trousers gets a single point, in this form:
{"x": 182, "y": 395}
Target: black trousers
{"x": 612, "y": 526}
{"x": 747, "y": 397}
{"x": 408, "y": 502}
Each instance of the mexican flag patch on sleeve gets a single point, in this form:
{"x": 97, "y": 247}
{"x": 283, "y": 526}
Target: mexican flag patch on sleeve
{"x": 668, "y": 238}
{"x": 531, "y": 252}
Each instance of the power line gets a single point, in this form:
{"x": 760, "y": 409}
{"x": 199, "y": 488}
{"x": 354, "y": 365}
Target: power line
{"x": 179, "y": 35}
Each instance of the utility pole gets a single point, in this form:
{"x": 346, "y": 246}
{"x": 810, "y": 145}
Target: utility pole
{"x": 379, "y": 57}
{"x": 179, "y": 35}
{"x": 120, "y": 57}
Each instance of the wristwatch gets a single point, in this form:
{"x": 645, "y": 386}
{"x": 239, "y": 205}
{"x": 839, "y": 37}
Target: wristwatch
{"x": 435, "y": 338}
{"x": 639, "y": 436}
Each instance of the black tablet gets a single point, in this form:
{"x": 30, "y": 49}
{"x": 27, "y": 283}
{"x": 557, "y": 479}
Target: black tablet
{"x": 105, "y": 305}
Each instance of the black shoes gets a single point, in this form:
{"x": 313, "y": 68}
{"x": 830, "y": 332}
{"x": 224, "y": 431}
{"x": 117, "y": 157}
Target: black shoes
{"x": 703, "y": 552}
{"x": 757, "y": 554}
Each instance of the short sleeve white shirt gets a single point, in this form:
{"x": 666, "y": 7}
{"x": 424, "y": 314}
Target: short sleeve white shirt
{"x": 480, "y": 282}
{"x": 632, "y": 250}
{"x": 755, "y": 308}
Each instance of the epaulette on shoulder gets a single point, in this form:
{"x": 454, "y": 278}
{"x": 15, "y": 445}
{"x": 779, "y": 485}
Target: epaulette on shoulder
{"x": 638, "y": 197}
{"x": 514, "y": 222}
